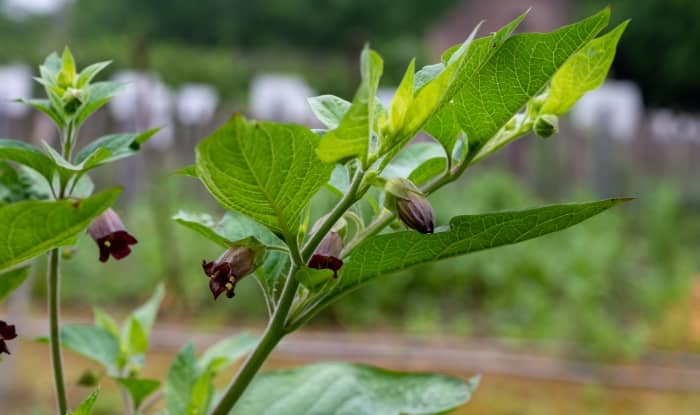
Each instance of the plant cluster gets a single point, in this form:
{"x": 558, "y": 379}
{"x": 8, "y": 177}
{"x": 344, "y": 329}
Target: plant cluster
{"x": 485, "y": 93}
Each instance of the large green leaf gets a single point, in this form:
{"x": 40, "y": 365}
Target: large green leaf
{"x": 94, "y": 343}
{"x": 352, "y": 137}
{"x": 28, "y": 155}
{"x": 10, "y": 280}
{"x": 516, "y": 72}
{"x": 345, "y": 389}
{"x": 585, "y": 71}
{"x": 391, "y": 252}
{"x": 265, "y": 170}
{"x": 32, "y": 228}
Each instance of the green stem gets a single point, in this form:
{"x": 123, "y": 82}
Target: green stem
{"x": 275, "y": 330}
{"x": 344, "y": 204}
{"x": 53, "y": 280}
{"x": 68, "y": 141}
{"x": 273, "y": 334}
{"x": 54, "y": 284}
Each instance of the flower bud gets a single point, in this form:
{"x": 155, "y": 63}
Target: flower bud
{"x": 72, "y": 100}
{"x": 415, "y": 212}
{"x": 546, "y": 125}
{"x": 7, "y": 332}
{"x": 89, "y": 379}
{"x": 224, "y": 273}
{"x": 327, "y": 254}
{"x": 111, "y": 236}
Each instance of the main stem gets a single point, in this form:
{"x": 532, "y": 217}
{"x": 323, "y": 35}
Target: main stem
{"x": 53, "y": 280}
{"x": 54, "y": 284}
{"x": 273, "y": 334}
{"x": 275, "y": 330}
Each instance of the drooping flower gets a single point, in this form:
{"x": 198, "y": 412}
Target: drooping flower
{"x": 224, "y": 273}
{"x": 416, "y": 212}
{"x": 327, "y": 254}
{"x": 7, "y": 332}
{"x": 111, "y": 236}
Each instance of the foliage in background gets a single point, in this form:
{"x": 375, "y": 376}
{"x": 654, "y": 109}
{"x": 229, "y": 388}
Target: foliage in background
{"x": 668, "y": 31}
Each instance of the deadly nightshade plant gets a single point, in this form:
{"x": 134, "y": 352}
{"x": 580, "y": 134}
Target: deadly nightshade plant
{"x": 482, "y": 95}
{"x": 61, "y": 176}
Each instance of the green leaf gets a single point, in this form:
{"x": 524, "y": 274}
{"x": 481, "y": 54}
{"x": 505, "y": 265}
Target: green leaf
{"x": 202, "y": 394}
{"x": 403, "y": 98}
{"x": 345, "y": 389}
{"x": 98, "y": 94}
{"x": 11, "y": 280}
{"x": 234, "y": 229}
{"x": 428, "y": 170}
{"x": 44, "y": 105}
{"x": 339, "y": 183}
{"x": 33, "y": 228}
{"x": 85, "y": 408}
{"x": 222, "y": 354}
{"x": 443, "y": 126}
{"x": 118, "y": 146}
{"x": 583, "y": 72}
{"x": 188, "y": 171}
{"x": 313, "y": 279}
{"x": 105, "y": 321}
{"x": 146, "y": 314}
{"x": 352, "y": 137}
{"x": 82, "y": 188}
{"x": 430, "y": 97}
{"x": 68, "y": 72}
{"x": 265, "y": 170}
{"x": 411, "y": 157}
{"x": 329, "y": 109}
{"x": 51, "y": 65}
{"x": 391, "y": 252}
{"x": 133, "y": 340}
{"x": 517, "y": 72}
{"x": 18, "y": 185}
{"x": 88, "y": 73}
{"x": 186, "y": 390}
{"x": 139, "y": 389}
{"x": 27, "y": 155}
{"x": 94, "y": 343}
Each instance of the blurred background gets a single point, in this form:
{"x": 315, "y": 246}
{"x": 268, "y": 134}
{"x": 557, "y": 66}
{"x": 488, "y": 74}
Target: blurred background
{"x": 603, "y": 318}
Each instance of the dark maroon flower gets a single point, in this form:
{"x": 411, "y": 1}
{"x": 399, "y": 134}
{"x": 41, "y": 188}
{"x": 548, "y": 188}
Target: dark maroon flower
{"x": 415, "y": 212}
{"x": 231, "y": 267}
{"x": 111, "y": 236}
{"x": 7, "y": 332}
{"x": 327, "y": 254}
